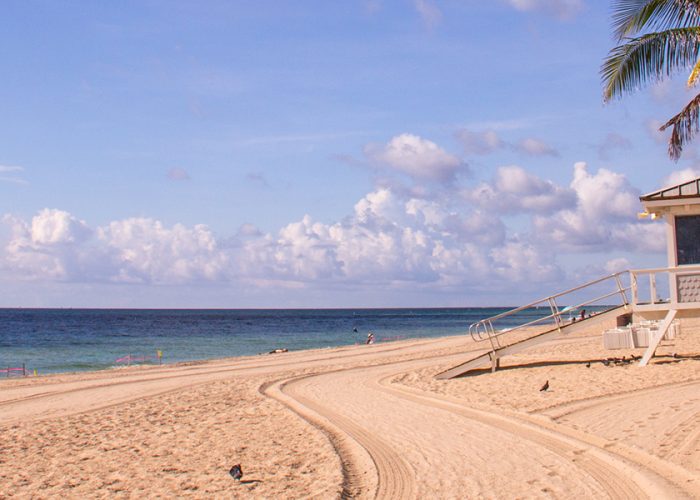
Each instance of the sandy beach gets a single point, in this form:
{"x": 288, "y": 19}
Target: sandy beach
{"x": 363, "y": 422}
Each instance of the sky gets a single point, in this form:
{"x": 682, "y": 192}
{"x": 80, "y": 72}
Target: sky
{"x": 369, "y": 153}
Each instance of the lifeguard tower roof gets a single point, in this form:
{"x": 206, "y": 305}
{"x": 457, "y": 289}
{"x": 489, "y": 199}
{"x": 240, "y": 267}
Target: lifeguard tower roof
{"x": 685, "y": 191}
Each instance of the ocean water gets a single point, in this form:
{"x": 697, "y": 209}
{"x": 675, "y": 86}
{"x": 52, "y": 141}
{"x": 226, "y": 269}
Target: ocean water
{"x": 63, "y": 340}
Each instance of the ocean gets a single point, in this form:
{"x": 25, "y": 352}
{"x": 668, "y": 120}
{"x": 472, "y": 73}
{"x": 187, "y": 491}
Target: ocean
{"x": 67, "y": 340}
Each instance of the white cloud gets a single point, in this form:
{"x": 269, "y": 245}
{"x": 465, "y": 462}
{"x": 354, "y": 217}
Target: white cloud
{"x": 416, "y": 157}
{"x": 488, "y": 142}
{"x": 603, "y": 219}
{"x": 535, "y": 147}
{"x": 479, "y": 143}
{"x": 680, "y": 176}
{"x": 9, "y": 173}
{"x": 144, "y": 250}
{"x": 51, "y": 246}
{"x": 10, "y": 168}
{"x": 57, "y": 226}
{"x": 513, "y": 189}
{"x": 392, "y": 238}
{"x": 429, "y": 12}
{"x": 562, "y": 9}
{"x": 617, "y": 265}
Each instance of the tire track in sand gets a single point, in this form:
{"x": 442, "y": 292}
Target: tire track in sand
{"x": 623, "y": 472}
{"x": 619, "y": 476}
{"x": 371, "y": 468}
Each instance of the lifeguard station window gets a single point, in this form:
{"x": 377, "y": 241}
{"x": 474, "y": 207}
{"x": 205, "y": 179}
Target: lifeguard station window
{"x": 688, "y": 239}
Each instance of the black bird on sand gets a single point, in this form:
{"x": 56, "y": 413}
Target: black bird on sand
{"x": 236, "y": 472}
{"x": 588, "y": 365}
{"x": 545, "y": 386}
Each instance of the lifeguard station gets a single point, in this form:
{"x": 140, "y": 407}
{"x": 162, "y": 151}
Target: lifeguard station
{"x": 660, "y": 296}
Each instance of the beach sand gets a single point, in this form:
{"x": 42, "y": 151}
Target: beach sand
{"x": 363, "y": 421}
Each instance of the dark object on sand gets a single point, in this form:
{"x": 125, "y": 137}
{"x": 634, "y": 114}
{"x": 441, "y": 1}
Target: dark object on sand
{"x": 588, "y": 365}
{"x": 277, "y": 351}
{"x": 236, "y": 472}
{"x": 545, "y": 386}
{"x": 606, "y": 362}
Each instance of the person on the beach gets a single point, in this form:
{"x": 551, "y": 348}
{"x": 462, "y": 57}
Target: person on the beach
{"x": 370, "y": 338}
{"x": 583, "y": 314}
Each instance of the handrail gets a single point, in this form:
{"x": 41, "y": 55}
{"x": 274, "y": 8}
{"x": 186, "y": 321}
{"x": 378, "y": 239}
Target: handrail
{"x": 673, "y": 270}
{"x": 570, "y": 290}
{"x": 484, "y": 330}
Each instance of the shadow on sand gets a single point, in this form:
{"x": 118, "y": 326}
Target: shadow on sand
{"x": 657, "y": 360}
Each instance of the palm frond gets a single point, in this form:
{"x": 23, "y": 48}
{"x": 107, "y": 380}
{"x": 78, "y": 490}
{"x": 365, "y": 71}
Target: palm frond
{"x": 634, "y": 16}
{"x": 685, "y": 125}
{"x": 694, "y": 75}
{"x": 648, "y": 58}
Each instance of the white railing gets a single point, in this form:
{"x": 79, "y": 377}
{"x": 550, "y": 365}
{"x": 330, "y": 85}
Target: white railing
{"x": 669, "y": 284}
{"x": 484, "y": 329}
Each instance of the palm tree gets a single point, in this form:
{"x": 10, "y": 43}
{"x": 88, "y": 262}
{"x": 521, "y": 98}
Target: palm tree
{"x": 657, "y": 39}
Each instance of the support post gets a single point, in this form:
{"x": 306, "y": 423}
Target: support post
{"x": 555, "y": 312}
{"x": 654, "y": 342}
{"x": 621, "y": 289}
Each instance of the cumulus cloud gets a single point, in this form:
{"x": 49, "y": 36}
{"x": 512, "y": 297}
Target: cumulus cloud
{"x": 50, "y": 246}
{"x": 513, "y": 189}
{"x": 680, "y": 176}
{"x": 562, "y": 9}
{"x": 617, "y": 265}
{"x": 52, "y": 227}
{"x": 603, "y": 218}
{"x": 143, "y": 250}
{"x": 390, "y": 238}
{"x": 416, "y": 157}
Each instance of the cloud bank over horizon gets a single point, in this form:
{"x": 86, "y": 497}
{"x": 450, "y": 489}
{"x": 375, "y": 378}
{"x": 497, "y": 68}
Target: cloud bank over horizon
{"x": 450, "y": 234}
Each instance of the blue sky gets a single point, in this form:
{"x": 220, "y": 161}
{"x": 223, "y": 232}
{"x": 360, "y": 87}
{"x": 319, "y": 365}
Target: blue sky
{"x": 319, "y": 154}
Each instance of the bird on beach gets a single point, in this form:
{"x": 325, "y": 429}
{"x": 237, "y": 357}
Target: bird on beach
{"x": 545, "y": 386}
{"x": 236, "y": 472}
{"x": 588, "y": 365}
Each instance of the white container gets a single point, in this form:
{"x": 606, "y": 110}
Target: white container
{"x": 673, "y": 330}
{"x": 618, "y": 338}
{"x": 641, "y": 336}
